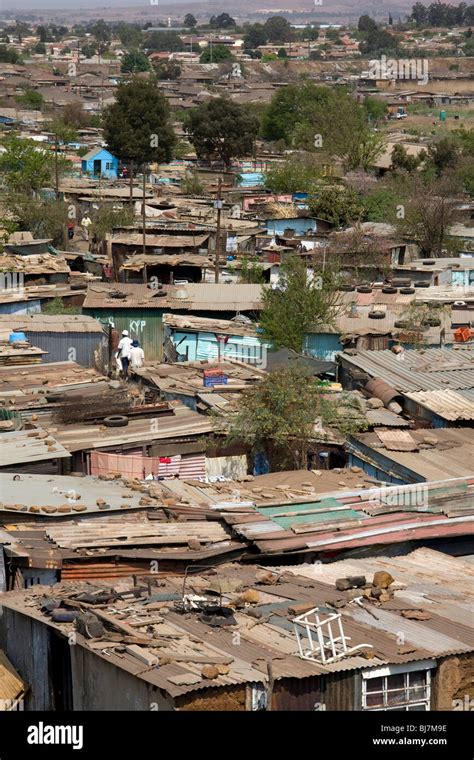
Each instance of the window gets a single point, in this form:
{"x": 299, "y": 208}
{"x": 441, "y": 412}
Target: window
{"x": 109, "y": 165}
{"x": 258, "y": 697}
{"x": 398, "y": 687}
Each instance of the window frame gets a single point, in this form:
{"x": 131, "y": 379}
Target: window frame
{"x": 385, "y": 691}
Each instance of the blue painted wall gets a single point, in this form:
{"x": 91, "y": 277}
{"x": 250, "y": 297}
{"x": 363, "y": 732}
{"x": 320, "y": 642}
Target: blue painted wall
{"x": 300, "y": 225}
{"x": 108, "y": 165}
{"x": 323, "y": 345}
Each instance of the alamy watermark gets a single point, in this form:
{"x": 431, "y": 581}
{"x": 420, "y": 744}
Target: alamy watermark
{"x": 12, "y": 282}
{"x": 401, "y": 68}
{"x": 396, "y": 496}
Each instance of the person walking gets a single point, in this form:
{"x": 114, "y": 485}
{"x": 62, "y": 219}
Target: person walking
{"x": 137, "y": 355}
{"x": 124, "y": 352}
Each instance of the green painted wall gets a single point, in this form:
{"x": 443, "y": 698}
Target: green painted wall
{"x": 144, "y": 324}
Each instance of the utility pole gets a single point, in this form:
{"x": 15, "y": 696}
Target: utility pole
{"x": 144, "y": 225}
{"x": 218, "y": 206}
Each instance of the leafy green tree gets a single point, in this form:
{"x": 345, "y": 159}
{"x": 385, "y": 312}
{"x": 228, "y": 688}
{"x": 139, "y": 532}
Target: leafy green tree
{"x": 9, "y": 55}
{"x": 278, "y": 29}
{"x": 222, "y": 21}
{"x": 419, "y": 14}
{"x": 106, "y": 218}
{"x": 102, "y": 34}
{"x": 191, "y": 184}
{"x": 40, "y": 48}
{"x": 44, "y": 219}
{"x": 429, "y": 214}
{"x": 381, "y": 205}
{"x": 443, "y": 154}
{"x": 376, "y": 109}
{"x": 300, "y": 304}
{"x": 366, "y": 24}
{"x": 255, "y": 36}
{"x": 137, "y": 127}
{"x": 339, "y": 205}
{"x": 215, "y": 54}
{"x": 166, "y": 41}
{"x": 134, "y": 62}
{"x": 293, "y": 176}
{"x": 31, "y": 99}
{"x": 377, "y": 42}
{"x": 277, "y": 417}
{"x": 25, "y": 167}
{"x": 167, "y": 70}
{"x": 88, "y": 50}
{"x": 402, "y": 160}
{"x": 63, "y": 133}
{"x": 282, "y": 53}
{"x": 130, "y": 35}
{"x": 221, "y": 129}
{"x": 189, "y": 21}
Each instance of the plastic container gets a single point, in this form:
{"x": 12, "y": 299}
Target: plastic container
{"x": 15, "y": 337}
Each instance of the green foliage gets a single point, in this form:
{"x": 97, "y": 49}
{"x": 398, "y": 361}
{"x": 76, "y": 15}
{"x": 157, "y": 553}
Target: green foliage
{"x": 402, "y": 160}
{"x": 443, "y": 154}
{"x": 215, "y": 54}
{"x": 134, "y": 62}
{"x": 55, "y": 307}
{"x": 31, "y": 99}
{"x": 222, "y": 21}
{"x": 278, "y": 29}
{"x": 339, "y": 205}
{"x": 89, "y": 50}
{"x": 308, "y": 116}
{"x": 167, "y": 41}
{"x": 137, "y": 127}
{"x": 380, "y": 206}
{"x": 107, "y": 217}
{"x": 277, "y": 417}
{"x": 130, "y": 36}
{"x": 102, "y": 34}
{"x": 299, "y": 305}
{"x": 167, "y": 70}
{"x": 25, "y": 167}
{"x": 282, "y": 53}
{"x": 377, "y": 42}
{"x": 40, "y": 48}
{"x": 255, "y": 36}
{"x": 221, "y": 129}
{"x": 251, "y": 271}
{"x": 9, "y": 55}
{"x": 375, "y": 108}
{"x": 429, "y": 213}
{"x": 293, "y": 176}
{"x": 44, "y": 219}
{"x": 189, "y": 21}
{"x": 191, "y": 184}
{"x": 366, "y": 24}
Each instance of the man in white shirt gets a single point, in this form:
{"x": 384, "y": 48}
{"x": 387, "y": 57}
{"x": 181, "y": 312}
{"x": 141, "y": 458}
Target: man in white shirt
{"x": 124, "y": 352}
{"x": 137, "y": 355}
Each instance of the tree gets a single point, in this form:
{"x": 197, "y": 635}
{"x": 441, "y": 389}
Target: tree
{"x": 221, "y": 129}
{"x": 443, "y": 154}
{"x": 137, "y": 127}
{"x": 419, "y": 14}
{"x": 102, "y": 35}
{"x": 278, "y": 29}
{"x": 25, "y": 166}
{"x": 294, "y": 176}
{"x": 402, "y": 160}
{"x": 339, "y": 205}
{"x": 166, "y": 41}
{"x": 189, "y": 21}
{"x": 106, "y": 218}
{"x": 255, "y": 36}
{"x": 429, "y": 214}
{"x": 376, "y": 109}
{"x": 130, "y": 36}
{"x": 167, "y": 70}
{"x": 9, "y": 55}
{"x": 42, "y": 33}
{"x": 222, "y": 21}
{"x": 282, "y": 53}
{"x": 377, "y": 42}
{"x": 215, "y": 54}
{"x": 44, "y": 219}
{"x": 40, "y": 48}
{"x": 300, "y": 304}
{"x": 74, "y": 116}
{"x": 277, "y": 417}
{"x": 88, "y": 50}
{"x": 31, "y": 99}
{"x": 366, "y": 24}
{"x": 63, "y": 133}
{"x": 309, "y": 116}
{"x": 134, "y": 62}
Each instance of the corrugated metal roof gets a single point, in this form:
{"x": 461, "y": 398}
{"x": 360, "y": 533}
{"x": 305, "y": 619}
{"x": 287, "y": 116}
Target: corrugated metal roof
{"x": 446, "y": 403}
{"x": 417, "y": 370}
{"x": 77, "y": 323}
{"x": 22, "y": 446}
{"x": 160, "y": 241}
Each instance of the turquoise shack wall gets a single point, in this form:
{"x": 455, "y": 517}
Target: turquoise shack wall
{"x": 323, "y": 345}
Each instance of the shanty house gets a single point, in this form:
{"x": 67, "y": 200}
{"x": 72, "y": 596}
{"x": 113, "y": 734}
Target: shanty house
{"x": 100, "y": 163}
